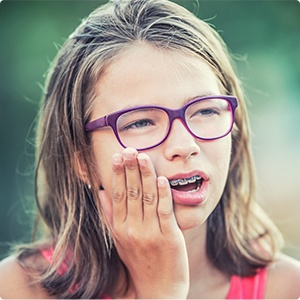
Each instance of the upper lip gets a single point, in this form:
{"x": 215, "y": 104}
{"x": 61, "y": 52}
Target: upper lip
{"x": 189, "y": 175}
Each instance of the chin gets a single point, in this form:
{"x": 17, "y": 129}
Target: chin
{"x": 187, "y": 220}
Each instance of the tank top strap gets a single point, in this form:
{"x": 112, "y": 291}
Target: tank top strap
{"x": 47, "y": 253}
{"x": 252, "y": 287}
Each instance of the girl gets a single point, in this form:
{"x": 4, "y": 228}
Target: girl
{"x": 145, "y": 183}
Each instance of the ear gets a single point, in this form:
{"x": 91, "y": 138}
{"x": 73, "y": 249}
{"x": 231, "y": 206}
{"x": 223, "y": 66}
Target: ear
{"x": 80, "y": 168}
{"x": 83, "y": 172}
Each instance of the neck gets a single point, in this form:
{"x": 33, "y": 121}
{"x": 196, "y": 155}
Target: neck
{"x": 196, "y": 248}
{"x": 202, "y": 271}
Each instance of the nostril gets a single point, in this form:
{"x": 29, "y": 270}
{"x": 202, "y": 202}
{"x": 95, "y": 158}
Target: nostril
{"x": 180, "y": 143}
{"x": 183, "y": 150}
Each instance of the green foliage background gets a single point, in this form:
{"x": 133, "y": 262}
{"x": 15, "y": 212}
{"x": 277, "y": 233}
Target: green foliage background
{"x": 264, "y": 34}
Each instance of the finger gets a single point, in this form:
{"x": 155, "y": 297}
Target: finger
{"x": 119, "y": 205}
{"x": 149, "y": 188}
{"x": 133, "y": 185}
{"x": 165, "y": 210}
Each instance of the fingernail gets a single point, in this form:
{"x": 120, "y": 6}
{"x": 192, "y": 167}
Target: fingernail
{"x": 142, "y": 160}
{"x": 161, "y": 182}
{"x": 129, "y": 153}
{"x": 117, "y": 159}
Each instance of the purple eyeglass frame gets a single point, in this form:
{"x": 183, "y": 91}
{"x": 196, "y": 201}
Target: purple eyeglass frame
{"x": 111, "y": 119}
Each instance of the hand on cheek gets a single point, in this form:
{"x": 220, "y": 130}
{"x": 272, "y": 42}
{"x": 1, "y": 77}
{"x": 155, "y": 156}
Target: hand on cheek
{"x": 145, "y": 230}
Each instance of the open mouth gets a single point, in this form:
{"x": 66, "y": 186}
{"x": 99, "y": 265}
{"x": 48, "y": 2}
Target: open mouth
{"x": 190, "y": 184}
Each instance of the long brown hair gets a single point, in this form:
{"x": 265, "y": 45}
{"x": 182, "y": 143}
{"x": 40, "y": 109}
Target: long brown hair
{"x": 237, "y": 230}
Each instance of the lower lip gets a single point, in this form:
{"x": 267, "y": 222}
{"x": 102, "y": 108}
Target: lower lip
{"x": 191, "y": 198}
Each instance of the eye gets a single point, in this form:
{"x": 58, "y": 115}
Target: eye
{"x": 138, "y": 124}
{"x": 207, "y": 112}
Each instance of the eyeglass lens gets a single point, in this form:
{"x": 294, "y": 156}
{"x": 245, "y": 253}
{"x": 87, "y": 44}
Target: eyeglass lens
{"x": 146, "y": 127}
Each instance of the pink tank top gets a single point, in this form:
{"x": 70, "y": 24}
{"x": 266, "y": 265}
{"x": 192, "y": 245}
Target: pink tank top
{"x": 248, "y": 287}
{"x": 252, "y": 287}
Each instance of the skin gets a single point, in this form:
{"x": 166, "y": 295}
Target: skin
{"x": 161, "y": 241}
{"x": 145, "y": 75}
{"x": 144, "y": 220}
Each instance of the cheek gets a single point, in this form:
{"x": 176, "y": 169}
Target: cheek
{"x": 104, "y": 146}
{"x": 106, "y": 206}
{"x": 223, "y": 151}
{"x": 219, "y": 157}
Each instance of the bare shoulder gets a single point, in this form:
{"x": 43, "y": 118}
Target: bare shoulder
{"x": 284, "y": 279}
{"x": 16, "y": 282}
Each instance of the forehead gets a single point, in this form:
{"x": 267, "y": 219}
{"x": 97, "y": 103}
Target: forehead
{"x": 146, "y": 75}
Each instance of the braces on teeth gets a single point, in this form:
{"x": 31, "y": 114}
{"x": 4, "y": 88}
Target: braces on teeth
{"x": 192, "y": 179}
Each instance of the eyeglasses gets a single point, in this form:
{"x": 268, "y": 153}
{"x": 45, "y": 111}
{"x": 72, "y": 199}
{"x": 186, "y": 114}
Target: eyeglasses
{"x": 146, "y": 127}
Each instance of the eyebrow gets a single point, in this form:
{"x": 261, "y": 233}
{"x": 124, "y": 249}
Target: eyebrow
{"x": 205, "y": 94}
{"x": 187, "y": 100}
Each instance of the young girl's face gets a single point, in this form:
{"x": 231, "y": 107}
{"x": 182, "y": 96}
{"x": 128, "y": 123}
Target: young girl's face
{"x": 144, "y": 75}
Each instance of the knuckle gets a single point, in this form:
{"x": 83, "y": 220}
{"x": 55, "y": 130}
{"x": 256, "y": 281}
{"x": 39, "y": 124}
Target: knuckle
{"x": 118, "y": 169}
{"x": 165, "y": 213}
{"x": 146, "y": 172}
{"x": 118, "y": 195}
{"x": 139, "y": 239}
{"x": 132, "y": 236}
{"x": 133, "y": 193}
{"x": 131, "y": 165}
{"x": 148, "y": 198}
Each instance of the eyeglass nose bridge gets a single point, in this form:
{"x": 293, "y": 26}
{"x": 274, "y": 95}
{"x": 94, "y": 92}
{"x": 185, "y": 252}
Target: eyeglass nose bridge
{"x": 174, "y": 114}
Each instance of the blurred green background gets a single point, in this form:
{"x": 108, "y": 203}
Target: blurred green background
{"x": 265, "y": 35}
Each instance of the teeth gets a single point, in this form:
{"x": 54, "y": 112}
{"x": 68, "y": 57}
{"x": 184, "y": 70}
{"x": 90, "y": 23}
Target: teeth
{"x": 185, "y": 181}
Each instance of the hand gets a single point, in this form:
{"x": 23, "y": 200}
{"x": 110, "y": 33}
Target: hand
{"x": 145, "y": 230}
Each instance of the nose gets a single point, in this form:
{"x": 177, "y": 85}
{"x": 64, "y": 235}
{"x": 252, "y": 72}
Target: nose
{"x": 180, "y": 143}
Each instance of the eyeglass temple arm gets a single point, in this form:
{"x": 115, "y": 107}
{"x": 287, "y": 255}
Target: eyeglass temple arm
{"x": 98, "y": 123}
